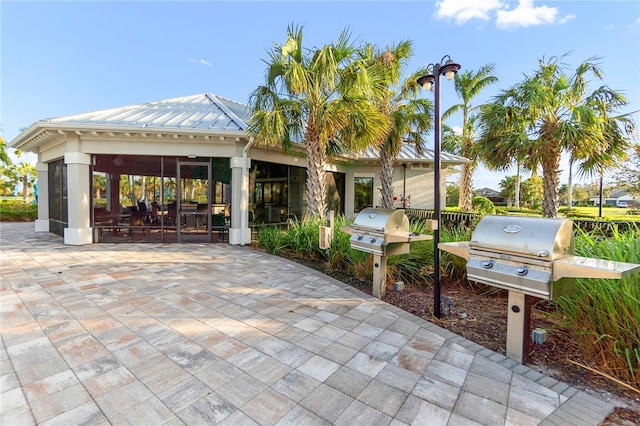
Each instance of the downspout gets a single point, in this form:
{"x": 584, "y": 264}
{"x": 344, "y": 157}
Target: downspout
{"x": 244, "y": 220}
{"x": 404, "y": 181}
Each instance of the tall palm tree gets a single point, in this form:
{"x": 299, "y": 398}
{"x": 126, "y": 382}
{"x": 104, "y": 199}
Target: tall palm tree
{"x": 26, "y": 173}
{"x": 468, "y": 85}
{"x": 322, "y": 97}
{"x": 410, "y": 116}
{"x": 557, "y": 113}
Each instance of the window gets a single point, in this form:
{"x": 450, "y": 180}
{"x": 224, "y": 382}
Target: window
{"x": 58, "y": 217}
{"x": 363, "y": 193}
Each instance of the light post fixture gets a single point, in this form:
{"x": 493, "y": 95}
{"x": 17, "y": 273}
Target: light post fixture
{"x": 427, "y": 81}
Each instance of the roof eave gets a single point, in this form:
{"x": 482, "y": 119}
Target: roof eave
{"x": 31, "y": 137}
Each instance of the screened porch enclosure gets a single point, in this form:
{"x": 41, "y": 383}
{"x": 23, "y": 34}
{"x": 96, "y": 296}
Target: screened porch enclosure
{"x": 160, "y": 199}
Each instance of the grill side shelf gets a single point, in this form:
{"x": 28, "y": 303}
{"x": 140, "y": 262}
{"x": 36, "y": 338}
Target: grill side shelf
{"x": 588, "y": 267}
{"x": 459, "y": 248}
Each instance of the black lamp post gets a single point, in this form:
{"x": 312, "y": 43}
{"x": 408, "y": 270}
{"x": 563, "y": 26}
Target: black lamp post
{"x": 427, "y": 81}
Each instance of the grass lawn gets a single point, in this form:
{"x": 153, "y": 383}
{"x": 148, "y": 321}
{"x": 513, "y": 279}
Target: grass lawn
{"x": 613, "y": 213}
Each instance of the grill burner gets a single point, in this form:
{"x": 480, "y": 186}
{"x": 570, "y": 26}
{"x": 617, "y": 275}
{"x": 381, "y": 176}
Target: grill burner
{"x": 529, "y": 257}
{"x": 382, "y": 232}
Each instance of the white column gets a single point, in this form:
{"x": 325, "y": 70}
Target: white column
{"x": 239, "y": 203}
{"x": 42, "y": 222}
{"x": 78, "y": 199}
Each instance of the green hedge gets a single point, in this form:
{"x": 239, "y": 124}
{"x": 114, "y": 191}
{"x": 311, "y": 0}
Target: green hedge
{"x": 18, "y": 211}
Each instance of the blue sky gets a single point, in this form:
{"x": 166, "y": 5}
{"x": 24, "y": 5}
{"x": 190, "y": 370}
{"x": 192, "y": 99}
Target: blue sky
{"x": 61, "y": 58}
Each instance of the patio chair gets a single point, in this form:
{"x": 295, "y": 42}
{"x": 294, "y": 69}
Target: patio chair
{"x": 137, "y": 222}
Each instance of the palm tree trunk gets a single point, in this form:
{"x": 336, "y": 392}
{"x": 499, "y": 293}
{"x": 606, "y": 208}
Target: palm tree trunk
{"x": 466, "y": 187}
{"x": 25, "y": 188}
{"x": 550, "y": 181}
{"x": 517, "y": 195}
{"x": 316, "y": 180}
{"x": 570, "y": 185}
{"x": 386, "y": 176}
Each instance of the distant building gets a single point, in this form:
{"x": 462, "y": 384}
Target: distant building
{"x": 489, "y": 193}
{"x": 620, "y": 198}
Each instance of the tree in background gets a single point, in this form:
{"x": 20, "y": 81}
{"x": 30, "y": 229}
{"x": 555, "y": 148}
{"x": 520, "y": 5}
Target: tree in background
{"x": 629, "y": 175}
{"x": 508, "y": 189}
{"x": 99, "y": 184}
{"x": 26, "y": 174}
{"x": 532, "y": 191}
{"x": 468, "y": 85}
{"x": 4, "y": 156}
{"x": 8, "y": 179}
{"x": 409, "y": 116}
{"x": 557, "y": 113}
{"x": 453, "y": 193}
{"x": 322, "y": 97}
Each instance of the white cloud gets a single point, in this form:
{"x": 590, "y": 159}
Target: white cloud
{"x": 200, "y": 61}
{"x": 526, "y": 15}
{"x": 462, "y": 11}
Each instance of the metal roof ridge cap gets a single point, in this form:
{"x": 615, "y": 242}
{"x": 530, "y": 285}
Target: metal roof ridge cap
{"x": 218, "y": 101}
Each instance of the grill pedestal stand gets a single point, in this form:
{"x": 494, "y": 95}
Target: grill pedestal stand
{"x": 379, "y": 276}
{"x": 518, "y": 326}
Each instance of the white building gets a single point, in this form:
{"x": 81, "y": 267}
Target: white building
{"x": 192, "y": 164}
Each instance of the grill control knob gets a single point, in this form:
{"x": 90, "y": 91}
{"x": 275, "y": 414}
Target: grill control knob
{"x": 521, "y": 270}
{"x": 487, "y": 264}
{"x": 373, "y": 240}
{"x": 359, "y": 237}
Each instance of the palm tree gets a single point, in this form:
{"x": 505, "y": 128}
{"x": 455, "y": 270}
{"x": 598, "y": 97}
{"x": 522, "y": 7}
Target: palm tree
{"x": 499, "y": 151}
{"x": 508, "y": 188}
{"x": 4, "y": 157}
{"x": 556, "y": 113}
{"x": 26, "y": 173}
{"x": 410, "y": 117}
{"x": 323, "y": 97}
{"x": 99, "y": 184}
{"x": 468, "y": 85}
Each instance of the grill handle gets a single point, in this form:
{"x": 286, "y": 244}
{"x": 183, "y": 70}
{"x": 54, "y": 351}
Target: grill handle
{"x": 500, "y": 249}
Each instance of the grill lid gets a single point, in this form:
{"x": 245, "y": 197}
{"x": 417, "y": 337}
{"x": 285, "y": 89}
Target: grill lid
{"x": 386, "y": 221}
{"x": 543, "y": 238}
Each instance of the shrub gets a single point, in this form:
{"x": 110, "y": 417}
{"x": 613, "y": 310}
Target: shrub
{"x": 18, "y": 211}
{"x": 482, "y": 205}
{"x": 303, "y": 237}
{"x": 272, "y": 239}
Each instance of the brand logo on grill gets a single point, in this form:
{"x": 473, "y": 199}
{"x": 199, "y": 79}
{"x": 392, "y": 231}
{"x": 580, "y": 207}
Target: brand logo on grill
{"x": 512, "y": 229}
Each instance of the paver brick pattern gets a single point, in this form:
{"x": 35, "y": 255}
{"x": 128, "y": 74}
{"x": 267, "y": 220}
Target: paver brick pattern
{"x": 219, "y": 334}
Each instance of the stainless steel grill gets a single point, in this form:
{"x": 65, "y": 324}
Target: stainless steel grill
{"x": 374, "y": 229}
{"x": 529, "y": 257}
{"x": 382, "y": 232}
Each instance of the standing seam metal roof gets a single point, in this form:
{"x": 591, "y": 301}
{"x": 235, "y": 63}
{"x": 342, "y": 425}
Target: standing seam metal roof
{"x": 203, "y": 111}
